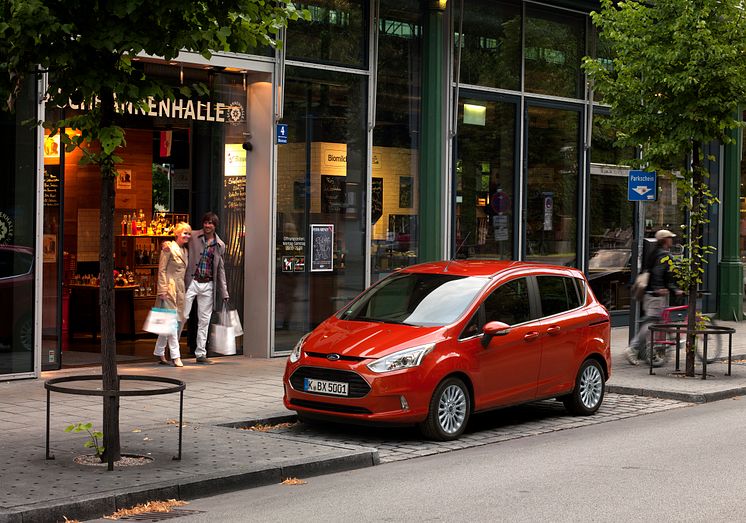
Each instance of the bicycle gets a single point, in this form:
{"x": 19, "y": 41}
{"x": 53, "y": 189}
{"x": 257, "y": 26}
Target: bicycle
{"x": 665, "y": 342}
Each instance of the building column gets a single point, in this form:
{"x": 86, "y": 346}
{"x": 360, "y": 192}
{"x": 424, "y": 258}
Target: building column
{"x": 431, "y": 171}
{"x": 730, "y": 269}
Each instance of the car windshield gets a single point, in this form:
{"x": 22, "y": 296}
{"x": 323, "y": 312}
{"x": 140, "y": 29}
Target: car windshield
{"x": 416, "y": 299}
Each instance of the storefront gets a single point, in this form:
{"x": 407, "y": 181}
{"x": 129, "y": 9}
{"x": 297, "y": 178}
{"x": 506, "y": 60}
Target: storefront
{"x": 330, "y": 201}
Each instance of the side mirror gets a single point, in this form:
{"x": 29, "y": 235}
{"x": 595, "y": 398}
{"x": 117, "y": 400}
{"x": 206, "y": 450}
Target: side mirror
{"x": 492, "y": 329}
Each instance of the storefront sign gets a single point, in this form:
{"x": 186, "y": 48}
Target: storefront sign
{"x": 6, "y": 228}
{"x": 180, "y": 109}
{"x": 333, "y": 194}
{"x": 500, "y": 227}
{"x": 642, "y": 186}
{"x": 376, "y": 200}
{"x": 282, "y": 133}
{"x": 235, "y": 193}
{"x": 51, "y": 185}
{"x": 322, "y": 243}
{"x": 293, "y": 263}
{"x": 235, "y": 160}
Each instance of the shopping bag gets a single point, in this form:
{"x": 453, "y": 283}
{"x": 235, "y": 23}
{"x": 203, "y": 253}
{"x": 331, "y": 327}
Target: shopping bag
{"x": 640, "y": 285}
{"x": 230, "y": 317}
{"x": 223, "y": 340}
{"x": 161, "y": 321}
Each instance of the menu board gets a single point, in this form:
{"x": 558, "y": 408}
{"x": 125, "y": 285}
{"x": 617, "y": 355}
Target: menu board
{"x": 333, "y": 194}
{"x": 376, "y": 200}
{"x": 51, "y": 185}
{"x": 322, "y": 242}
{"x": 235, "y": 193}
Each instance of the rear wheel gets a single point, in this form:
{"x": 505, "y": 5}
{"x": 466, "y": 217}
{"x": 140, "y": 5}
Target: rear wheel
{"x": 449, "y": 412}
{"x": 588, "y": 394}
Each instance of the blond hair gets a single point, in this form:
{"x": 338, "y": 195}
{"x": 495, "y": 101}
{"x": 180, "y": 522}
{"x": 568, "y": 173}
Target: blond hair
{"x": 182, "y": 227}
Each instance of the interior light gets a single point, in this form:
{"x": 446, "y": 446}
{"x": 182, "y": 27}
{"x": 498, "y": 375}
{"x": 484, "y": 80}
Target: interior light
{"x": 475, "y": 114}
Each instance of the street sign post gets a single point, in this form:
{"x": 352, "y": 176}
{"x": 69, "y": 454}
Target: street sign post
{"x": 642, "y": 186}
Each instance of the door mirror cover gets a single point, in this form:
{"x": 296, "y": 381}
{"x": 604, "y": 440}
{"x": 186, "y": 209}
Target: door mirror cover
{"x": 496, "y": 328}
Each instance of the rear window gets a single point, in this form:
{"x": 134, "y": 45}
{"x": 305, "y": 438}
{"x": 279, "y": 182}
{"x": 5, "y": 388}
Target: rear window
{"x": 558, "y": 294}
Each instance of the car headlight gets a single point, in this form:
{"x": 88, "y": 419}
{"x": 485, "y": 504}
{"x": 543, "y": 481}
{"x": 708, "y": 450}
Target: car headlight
{"x": 297, "y": 350}
{"x": 403, "y": 359}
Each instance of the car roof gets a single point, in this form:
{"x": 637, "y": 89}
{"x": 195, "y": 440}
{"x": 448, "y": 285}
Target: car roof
{"x": 487, "y": 268}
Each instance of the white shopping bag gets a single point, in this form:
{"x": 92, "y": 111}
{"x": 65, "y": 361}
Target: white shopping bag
{"x": 223, "y": 340}
{"x": 161, "y": 321}
{"x": 230, "y": 318}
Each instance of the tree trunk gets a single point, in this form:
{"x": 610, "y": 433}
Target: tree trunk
{"x": 695, "y": 233}
{"x": 112, "y": 447}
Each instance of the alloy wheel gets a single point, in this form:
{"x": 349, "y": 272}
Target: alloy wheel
{"x": 591, "y": 386}
{"x": 452, "y": 409}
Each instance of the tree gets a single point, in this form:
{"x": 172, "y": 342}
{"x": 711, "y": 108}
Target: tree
{"x": 674, "y": 85}
{"x": 87, "y": 47}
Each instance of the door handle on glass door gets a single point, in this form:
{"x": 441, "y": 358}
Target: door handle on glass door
{"x": 554, "y": 329}
{"x": 531, "y": 336}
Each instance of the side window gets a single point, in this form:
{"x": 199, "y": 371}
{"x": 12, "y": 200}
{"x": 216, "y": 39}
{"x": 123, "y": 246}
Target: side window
{"x": 509, "y": 303}
{"x": 573, "y": 292}
{"x": 472, "y": 328}
{"x": 558, "y": 294}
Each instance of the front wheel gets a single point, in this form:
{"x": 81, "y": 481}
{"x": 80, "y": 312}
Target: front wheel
{"x": 449, "y": 412}
{"x": 588, "y": 394}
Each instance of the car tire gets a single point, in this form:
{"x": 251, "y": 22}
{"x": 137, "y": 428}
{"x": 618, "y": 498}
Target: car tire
{"x": 448, "y": 414}
{"x": 588, "y": 394}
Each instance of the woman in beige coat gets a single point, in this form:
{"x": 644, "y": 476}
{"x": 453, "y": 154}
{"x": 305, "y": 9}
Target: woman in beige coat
{"x": 171, "y": 291}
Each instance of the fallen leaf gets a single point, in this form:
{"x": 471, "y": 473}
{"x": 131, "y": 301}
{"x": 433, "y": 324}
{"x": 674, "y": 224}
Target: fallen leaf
{"x": 136, "y": 430}
{"x": 150, "y": 506}
{"x": 146, "y": 438}
{"x": 293, "y": 481}
{"x": 268, "y": 427}
{"x": 70, "y": 520}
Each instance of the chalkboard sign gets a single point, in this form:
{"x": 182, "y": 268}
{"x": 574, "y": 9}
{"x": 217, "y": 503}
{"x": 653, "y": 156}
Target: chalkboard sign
{"x": 51, "y": 185}
{"x": 333, "y": 194}
{"x": 322, "y": 243}
{"x": 235, "y": 193}
{"x": 376, "y": 205}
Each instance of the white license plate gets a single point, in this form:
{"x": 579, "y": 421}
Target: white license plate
{"x": 325, "y": 387}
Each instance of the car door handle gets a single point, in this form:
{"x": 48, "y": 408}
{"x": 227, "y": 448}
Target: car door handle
{"x": 554, "y": 330}
{"x": 531, "y": 336}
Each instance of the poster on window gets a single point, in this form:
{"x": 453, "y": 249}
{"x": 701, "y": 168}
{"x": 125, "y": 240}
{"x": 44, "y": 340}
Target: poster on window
{"x": 322, "y": 243}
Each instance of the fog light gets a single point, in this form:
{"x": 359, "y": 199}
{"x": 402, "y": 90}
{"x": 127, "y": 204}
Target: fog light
{"x": 404, "y": 404}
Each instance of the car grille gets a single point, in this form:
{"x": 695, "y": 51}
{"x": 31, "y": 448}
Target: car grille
{"x": 358, "y": 387}
{"x": 331, "y": 407}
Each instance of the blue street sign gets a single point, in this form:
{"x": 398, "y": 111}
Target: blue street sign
{"x": 282, "y": 133}
{"x": 642, "y": 186}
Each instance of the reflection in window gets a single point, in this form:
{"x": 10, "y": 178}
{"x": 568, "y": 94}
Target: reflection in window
{"x": 610, "y": 218}
{"x": 334, "y": 35}
{"x": 551, "y": 228}
{"x": 395, "y": 139}
{"x": 509, "y": 303}
{"x": 485, "y": 170}
{"x": 558, "y": 294}
{"x": 320, "y": 182}
{"x": 491, "y": 44}
{"x": 555, "y": 44}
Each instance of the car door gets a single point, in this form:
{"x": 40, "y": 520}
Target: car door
{"x": 562, "y": 327}
{"x": 509, "y": 364}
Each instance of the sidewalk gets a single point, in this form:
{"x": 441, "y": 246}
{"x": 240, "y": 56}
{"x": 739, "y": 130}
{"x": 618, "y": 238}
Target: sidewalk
{"x": 216, "y": 457}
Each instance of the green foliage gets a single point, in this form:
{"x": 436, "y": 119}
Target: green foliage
{"x": 94, "y": 437}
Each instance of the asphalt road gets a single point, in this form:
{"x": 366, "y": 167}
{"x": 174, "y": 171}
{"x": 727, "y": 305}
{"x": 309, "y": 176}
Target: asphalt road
{"x": 680, "y": 465}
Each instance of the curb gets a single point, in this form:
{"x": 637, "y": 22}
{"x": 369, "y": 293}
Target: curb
{"x": 689, "y": 397}
{"x": 93, "y": 507}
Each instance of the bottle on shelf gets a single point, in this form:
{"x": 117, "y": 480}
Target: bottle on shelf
{"x": 133, "y": 225}
{"x": 124, "y": 225}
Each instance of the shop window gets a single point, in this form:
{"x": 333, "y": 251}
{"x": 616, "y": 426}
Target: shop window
{"x": 336, "y": 33}
{"x": 490, "y": 44}
{"x": 485, "y": 173}
{"x": 320, "y": 200}
{"x": 610, "y": 222}
{"x": 554, "y": 47}
{"x": 395, "y": 202}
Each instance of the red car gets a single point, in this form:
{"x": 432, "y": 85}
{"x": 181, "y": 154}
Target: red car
{"x": 433, "y": 343}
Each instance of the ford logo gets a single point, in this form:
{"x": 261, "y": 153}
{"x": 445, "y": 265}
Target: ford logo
{"x": 333, "y": 357}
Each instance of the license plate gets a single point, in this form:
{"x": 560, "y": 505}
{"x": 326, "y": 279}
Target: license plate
{"x": 325, "y": 387}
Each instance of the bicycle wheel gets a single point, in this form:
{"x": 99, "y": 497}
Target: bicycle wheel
{"x": 661, "y": 345}
{"x": 714, "y": 343}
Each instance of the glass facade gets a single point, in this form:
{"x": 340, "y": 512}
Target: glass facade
{"x": 18, "y": 256}
{"x": 394, "y": 165}
{"x": 320, "y": 201}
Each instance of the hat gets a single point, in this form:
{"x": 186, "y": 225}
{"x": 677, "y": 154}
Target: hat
{"x": 664, "y": 233}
